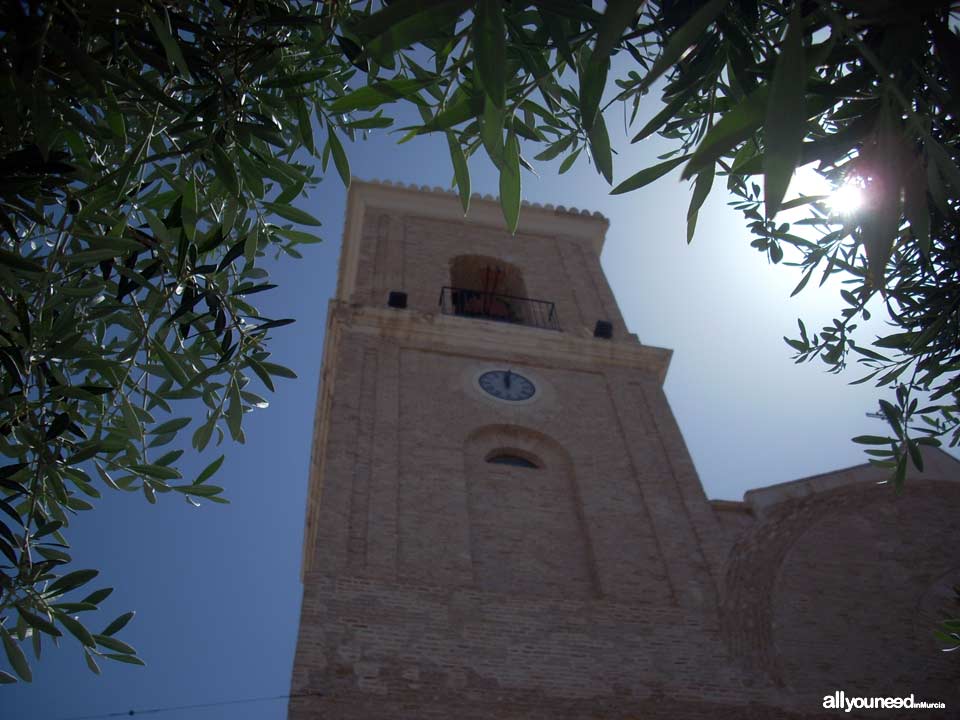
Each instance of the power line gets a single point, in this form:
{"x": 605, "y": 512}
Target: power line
{"x": 221, "y": 703}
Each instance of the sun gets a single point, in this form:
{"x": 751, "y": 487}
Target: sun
{"x": 842, "y": 200}
{"x": 847, "y": 198}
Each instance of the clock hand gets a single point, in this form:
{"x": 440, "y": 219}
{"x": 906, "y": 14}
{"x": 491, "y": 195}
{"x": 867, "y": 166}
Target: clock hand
{"x": 506, "y": 379}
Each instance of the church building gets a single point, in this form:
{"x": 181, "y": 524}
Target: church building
{"x": 503, "y": 520}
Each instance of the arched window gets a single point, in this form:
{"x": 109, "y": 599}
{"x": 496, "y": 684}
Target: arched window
{"x": 507, "y": 458}
{"x": 487, "y": 274}
{"x": 486, "y": 287}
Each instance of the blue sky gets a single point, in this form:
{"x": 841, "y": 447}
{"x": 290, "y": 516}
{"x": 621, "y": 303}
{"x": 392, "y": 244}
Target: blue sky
{"x": 217, "y": 588}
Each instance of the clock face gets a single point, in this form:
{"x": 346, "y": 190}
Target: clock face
{"x": 507, "y": 385}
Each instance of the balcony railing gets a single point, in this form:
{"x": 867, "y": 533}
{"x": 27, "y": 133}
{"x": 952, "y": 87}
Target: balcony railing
{"x": 501, "y": 308}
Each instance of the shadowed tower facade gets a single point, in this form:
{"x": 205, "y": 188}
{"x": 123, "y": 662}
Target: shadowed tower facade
{"x": 503, "y": 520}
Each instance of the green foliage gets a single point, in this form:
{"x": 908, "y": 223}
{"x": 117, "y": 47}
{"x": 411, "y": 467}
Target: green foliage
{"x": 493, "y": 82}
{"x": 867, "y": 92}
{"x": 150, "y": 157}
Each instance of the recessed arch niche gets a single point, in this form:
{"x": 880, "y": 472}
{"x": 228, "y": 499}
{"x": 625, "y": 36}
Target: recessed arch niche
{"x": 527, "y": 532}
{"x": 853, "y": 573}
{"x": 487, "y": 287}
{"x": 487, "y": 274}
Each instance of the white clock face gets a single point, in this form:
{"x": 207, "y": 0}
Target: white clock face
{"x": 507, "y": 385}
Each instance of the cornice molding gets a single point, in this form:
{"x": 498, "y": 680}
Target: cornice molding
{"x": 470, "y": 335}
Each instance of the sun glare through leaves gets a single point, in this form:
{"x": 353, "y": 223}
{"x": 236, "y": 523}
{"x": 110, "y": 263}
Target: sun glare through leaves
{"x": 847, "y": 198}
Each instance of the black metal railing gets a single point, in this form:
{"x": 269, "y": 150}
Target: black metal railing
{"x": 501, "y": 308}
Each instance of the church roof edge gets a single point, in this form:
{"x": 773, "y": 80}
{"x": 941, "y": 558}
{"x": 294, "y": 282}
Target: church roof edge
{"x": 940, "y": 465}
{"x": 485, "y": 209}
{"x": 487, "y": 197}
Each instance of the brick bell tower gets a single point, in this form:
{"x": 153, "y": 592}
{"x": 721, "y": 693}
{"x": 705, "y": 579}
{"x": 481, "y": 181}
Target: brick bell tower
{"x": 503, "y": 520}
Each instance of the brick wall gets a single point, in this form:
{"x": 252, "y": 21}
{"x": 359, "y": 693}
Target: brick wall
{"x": 408, "y": 650}
{"x": 827, "y": 592}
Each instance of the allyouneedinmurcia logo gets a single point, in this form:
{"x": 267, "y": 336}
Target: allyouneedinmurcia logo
{"x": 839, "y": 700}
